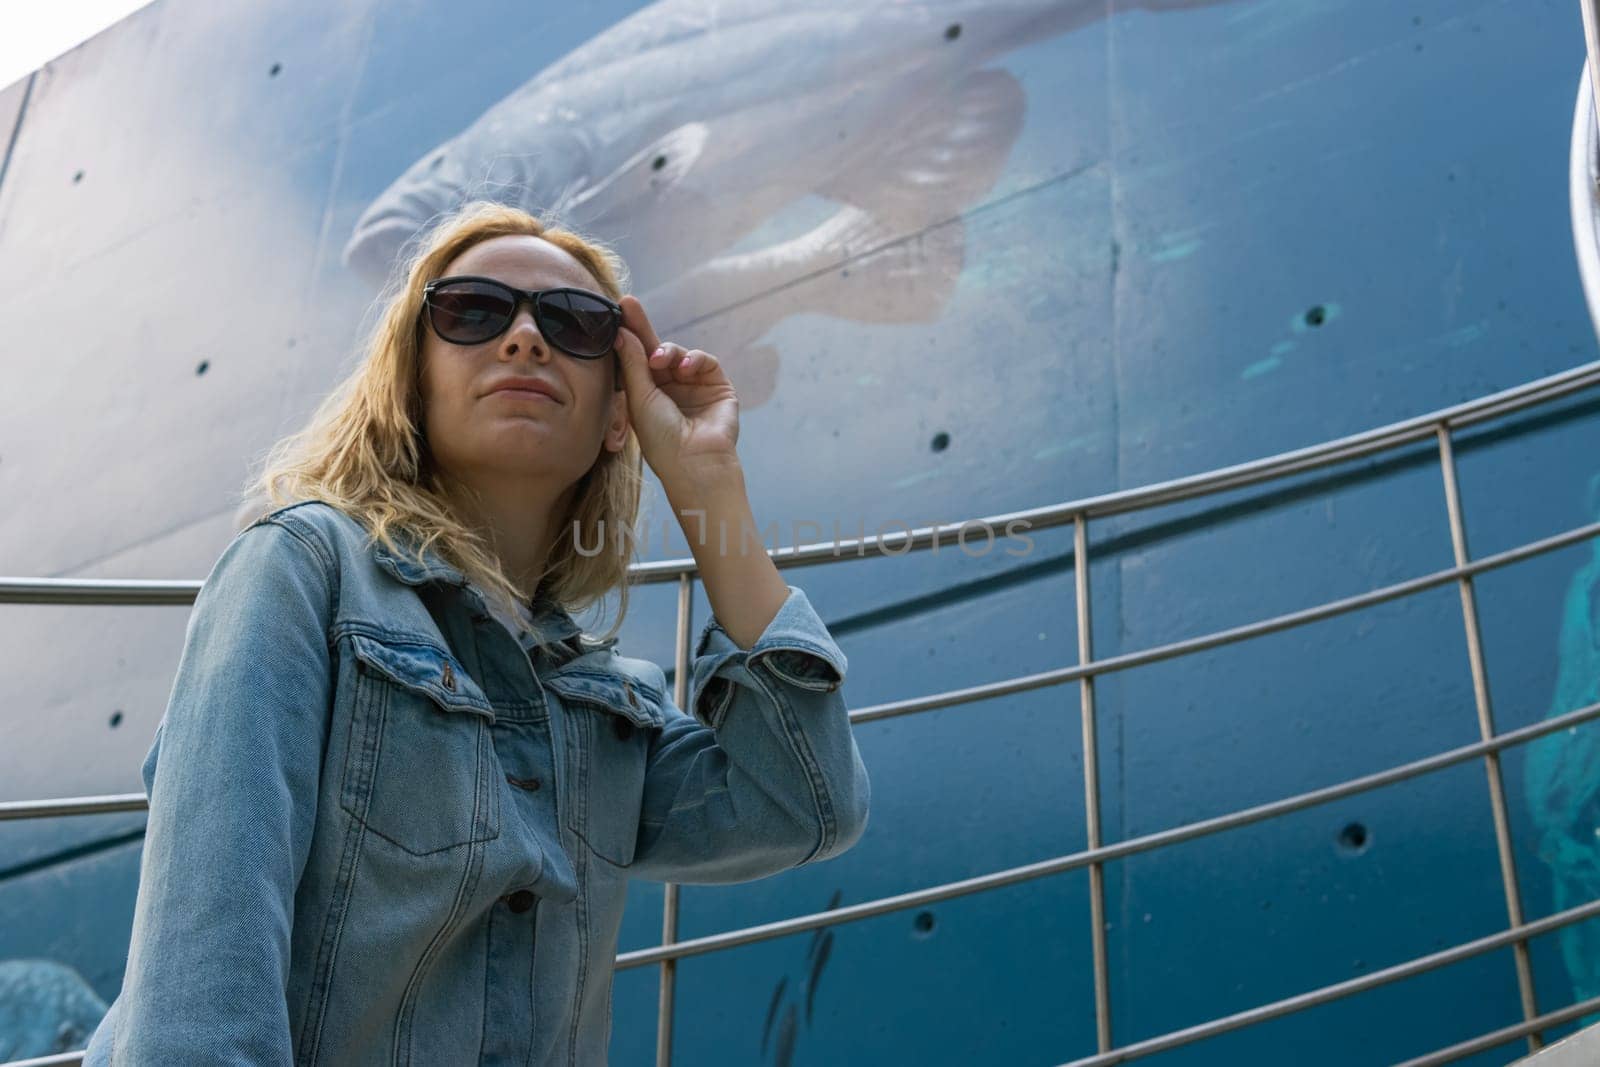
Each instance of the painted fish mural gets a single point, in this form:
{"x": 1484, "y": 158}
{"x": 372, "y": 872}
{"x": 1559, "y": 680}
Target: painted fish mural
{"x": 683, "y": 129}
{"x": 1562, "y": 775}
{"x": 45, "y": 1008}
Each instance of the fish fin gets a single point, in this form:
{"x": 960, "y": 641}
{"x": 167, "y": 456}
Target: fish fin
{"x": 942, "y": 159}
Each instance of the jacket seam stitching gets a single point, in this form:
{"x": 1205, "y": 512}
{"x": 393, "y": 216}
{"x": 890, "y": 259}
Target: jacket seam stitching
{"x": 327, "y": 958}
{"x": 331, "y": 573}
{"x": 635, "y": 715}
{"x": 655, "y": 693}
{"x": 349, "y": 860}
{"x": 807, "y": 760}
{"x": 581, "y": 869}
{"x": 378, "y": 726}
{"x": 592, "y": 731}
{"x": 310, "y": 539}
{"x": 533, "y": 986}
{"x": 405, "y": 1020}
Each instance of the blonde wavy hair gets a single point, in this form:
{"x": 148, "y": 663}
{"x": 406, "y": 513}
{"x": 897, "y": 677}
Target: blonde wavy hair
{"x": 363, "y": 450}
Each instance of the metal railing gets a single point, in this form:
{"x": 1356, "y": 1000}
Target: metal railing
{"x": 1585, "y": 208}
{"x": 1439, "y": 425}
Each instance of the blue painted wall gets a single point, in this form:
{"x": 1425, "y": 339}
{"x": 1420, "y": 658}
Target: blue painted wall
{"x": 1066, "y": 249}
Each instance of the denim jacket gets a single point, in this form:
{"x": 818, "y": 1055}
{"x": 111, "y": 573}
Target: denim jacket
{"x": 383, "y": 829}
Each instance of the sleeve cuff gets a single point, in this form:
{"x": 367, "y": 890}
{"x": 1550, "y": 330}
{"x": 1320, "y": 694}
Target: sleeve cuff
{"x": 795, "y": 649}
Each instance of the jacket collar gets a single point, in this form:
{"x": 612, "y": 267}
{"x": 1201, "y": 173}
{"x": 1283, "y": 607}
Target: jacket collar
{"x": 550, "y": 619}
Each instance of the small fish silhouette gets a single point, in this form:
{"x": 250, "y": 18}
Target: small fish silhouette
{"x": 782, "y": 1013}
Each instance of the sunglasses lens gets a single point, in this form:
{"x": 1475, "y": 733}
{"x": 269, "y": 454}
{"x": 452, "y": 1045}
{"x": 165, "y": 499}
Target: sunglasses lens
{"x": 578, "y": 322}
{"x": 468, "y": 313}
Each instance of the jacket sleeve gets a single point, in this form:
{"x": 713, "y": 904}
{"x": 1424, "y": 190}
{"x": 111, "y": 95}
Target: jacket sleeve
{"x": 765, "y": 775}
{"x": 232, "y": 782}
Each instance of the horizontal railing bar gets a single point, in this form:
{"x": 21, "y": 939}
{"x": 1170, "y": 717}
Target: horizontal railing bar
{"x": 1283, "y": 464}
{"x": 98, "y": 590}
{"x": 1491, "y": 411}
{"x": 1505, "y": 1034}
{"x": 1454, "y": 1052}
{"x": 43, "y": 809}
{"x": 1128, "y": 847}
{"x": 59, "y": 1059}
{"x": 130, "y": 801}
{"x": 1127, "y": 660}
{"x": 1061, "y": 675}
{"x": 16, "y": 590}
{"x": 1339, "y": 990}
{"x": 96, "y": 805}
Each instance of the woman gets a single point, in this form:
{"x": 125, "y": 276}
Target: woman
{"x": 399, "y": 792}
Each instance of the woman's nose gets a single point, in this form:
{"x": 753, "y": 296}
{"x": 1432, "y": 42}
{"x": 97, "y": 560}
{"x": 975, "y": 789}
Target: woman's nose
{"x": 524, "y": 335}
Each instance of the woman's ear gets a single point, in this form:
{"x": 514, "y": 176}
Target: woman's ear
{"x": 617, "y": 426}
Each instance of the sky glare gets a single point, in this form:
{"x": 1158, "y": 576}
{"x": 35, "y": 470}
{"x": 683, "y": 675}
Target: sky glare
{"x": 33, "y": 34}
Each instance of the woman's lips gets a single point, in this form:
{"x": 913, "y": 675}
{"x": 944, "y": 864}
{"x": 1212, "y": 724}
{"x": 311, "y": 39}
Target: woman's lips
{"x": 532, "y": 394}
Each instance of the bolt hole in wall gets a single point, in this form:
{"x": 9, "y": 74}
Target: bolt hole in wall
{"x": 1354, "y": 839}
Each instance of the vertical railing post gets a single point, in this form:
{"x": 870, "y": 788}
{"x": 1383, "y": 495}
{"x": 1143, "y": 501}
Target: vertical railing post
{"x": 1091, "y": 784}
{"x": 1480, "y": 690}
{"x": 1591, "y": 38}
{"x": 669, "y": 900}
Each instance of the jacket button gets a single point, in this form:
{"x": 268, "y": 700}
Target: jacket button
{"x": 622, "y": 728}
{"x": 522, "y": 783}
{"x": 520, "y": 901}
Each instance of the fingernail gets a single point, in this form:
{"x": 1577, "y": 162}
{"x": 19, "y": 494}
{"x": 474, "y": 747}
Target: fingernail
{"x": 658, "y": 352}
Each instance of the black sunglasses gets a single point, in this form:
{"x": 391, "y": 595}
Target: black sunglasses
{"x": 466, "y": 309}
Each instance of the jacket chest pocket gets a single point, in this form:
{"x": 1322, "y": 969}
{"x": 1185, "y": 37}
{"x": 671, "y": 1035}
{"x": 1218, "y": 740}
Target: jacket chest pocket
{"x": 611, "y": 724}
{"x": 418, "y": 767}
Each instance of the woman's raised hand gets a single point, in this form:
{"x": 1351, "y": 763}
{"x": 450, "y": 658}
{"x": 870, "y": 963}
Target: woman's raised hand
{"x": 680, "y": 403}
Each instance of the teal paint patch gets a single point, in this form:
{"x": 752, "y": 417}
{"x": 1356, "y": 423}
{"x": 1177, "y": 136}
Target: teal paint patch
{"x": 1251, "y": 25}
{"x": 1178, "y": 244}
{"x": 912, "y": 479}
{"x": 1561, "y": 786}
{"x": 1167, "y": 255}
{"x": 1283, "y": 348}
{"x": 1260, "y": 367}
{"x": 1061, "y": 447}
{"x": 1466, "y": 335}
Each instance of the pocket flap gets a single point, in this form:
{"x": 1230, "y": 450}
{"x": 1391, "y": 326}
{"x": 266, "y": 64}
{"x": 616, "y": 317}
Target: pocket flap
{"x": 425, "y": 668}
{"x": 619, "y": 694}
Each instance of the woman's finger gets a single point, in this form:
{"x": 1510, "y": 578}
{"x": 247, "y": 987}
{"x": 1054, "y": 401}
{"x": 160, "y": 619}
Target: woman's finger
{"x": 697, "y": 361}
{"x": 633, "y": 317}
{"x": 668, "y": 357}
